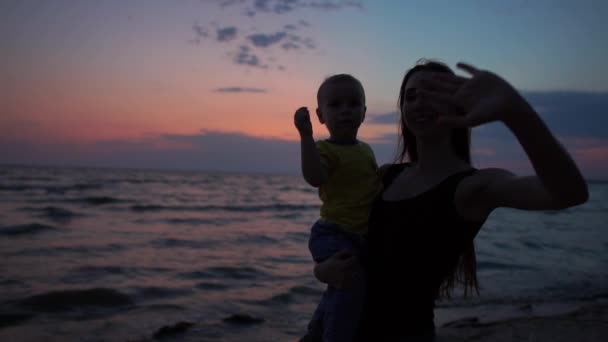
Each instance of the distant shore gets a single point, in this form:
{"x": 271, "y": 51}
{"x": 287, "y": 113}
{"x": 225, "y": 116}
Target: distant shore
{"x": 588, "y": 322}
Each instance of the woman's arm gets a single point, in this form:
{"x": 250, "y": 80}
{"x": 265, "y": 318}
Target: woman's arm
{"x": 557, "y": 182}
{"x": 338, "y": 270}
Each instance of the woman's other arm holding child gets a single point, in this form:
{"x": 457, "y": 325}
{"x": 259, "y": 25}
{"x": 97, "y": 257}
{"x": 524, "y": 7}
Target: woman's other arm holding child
{"x": 557, "y": 183}
{"x": 338, "y": 270}
{"x": 312, "y": 167}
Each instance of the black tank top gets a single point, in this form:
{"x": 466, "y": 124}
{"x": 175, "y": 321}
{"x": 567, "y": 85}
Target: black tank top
{"x": 414, "y": 244}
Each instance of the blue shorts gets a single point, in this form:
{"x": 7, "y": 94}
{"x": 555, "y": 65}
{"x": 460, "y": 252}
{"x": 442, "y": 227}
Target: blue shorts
{"x": 340, "y": 310}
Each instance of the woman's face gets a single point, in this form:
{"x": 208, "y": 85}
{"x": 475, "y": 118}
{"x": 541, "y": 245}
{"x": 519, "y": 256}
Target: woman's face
{"x": 417, "y": 112}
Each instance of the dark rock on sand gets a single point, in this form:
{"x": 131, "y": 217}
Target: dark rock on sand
{"x": 7, "y": 320}
{"x": 243, "y": 319}
{"x": 72, "y": 299}
{"x": 172, "y": 330}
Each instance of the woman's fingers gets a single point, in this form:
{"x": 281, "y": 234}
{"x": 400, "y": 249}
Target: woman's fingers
{"x": 344, "y": 254}
{"x": 440, "y": 98}
{"x": 472, "y": 119}
{"x": 343, "y": 265}
{"x": 468, "y": 68}
{"x": 449, "y": 78}
{"x": 442, "y": 86}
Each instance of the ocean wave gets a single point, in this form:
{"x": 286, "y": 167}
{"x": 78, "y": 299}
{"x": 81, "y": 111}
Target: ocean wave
{"x": 25, "y": 229}
{"x": 138, "y": 181}
{"x": 307, "y": 189}
{"x": 235, "y": 208}
{"x": 87, "y": 274}
{"x": 490, "y": 265}
{"x": 211, "y": 286}
{"x": 180, "y": 243}
{"x": 256, "y": 239}
{"x": 64, "y": 300}
{"x": 172, "y": 330}
{"x": 32, "y": 179}
{"x": 243, "y": 319}
{"x": 82, "y": 250}
{"x": 289, "y": 216}
{"x": 74, "y": 187}
{"x": 224, "y": 272}
{"x": 13, "y": 319}
{"x": 192, "y": 221}
{"x": 156, "y": 292}
{"x": 290, "y": 296}
{"x": 11, "y": 282}
{"x": 298, "y": 236}
{"x": 99, "y": 200}
{"x": 549, "y": 295}
{"x": 53, "y": 213}
{"x": 15, "y": 187}
{"x": 216, "y": 221}
{"x": 51, "y": 189}
{"x": 289, "y": 259}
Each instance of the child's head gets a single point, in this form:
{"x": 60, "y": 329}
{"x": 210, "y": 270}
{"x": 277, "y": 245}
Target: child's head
{"x": 341, "y": 106}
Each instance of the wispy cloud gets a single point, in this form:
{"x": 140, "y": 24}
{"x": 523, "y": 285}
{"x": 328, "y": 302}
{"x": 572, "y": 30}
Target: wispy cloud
{"x": 226, "y": 34}
{"x": 250, "y": 47}
{"x": 244, "y": 56}
{"x": 265, "y": 40}
{"x": 386, "y": 118}
{"x": 239, "y": 90}
{"x": 200, "y": 31}
{"x": 254, "y": 7}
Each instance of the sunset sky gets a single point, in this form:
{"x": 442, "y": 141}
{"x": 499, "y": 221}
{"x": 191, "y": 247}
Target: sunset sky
{"x": 212, "y": 85}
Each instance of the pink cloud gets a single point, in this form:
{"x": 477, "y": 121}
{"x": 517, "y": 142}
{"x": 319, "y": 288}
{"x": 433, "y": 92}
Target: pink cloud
{"x": 484, "y": 151}
{"x": 593, "y": 154}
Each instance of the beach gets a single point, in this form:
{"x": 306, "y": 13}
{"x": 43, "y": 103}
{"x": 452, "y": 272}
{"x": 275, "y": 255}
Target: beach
{"x": 589, "y": 322}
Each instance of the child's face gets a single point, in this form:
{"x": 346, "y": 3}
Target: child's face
{"x": 342, "y": 109}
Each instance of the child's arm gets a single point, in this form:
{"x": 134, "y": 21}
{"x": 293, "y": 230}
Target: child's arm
{"x": 312, "y": 168}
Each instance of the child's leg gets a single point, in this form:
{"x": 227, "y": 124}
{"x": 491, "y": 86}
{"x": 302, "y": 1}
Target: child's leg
{"x": 343, "y": 311}
{"x": 340, "y": 310}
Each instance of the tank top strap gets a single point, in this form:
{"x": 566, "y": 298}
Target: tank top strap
{"x": 447, "y": 189}
{"x": 395, "y": 169}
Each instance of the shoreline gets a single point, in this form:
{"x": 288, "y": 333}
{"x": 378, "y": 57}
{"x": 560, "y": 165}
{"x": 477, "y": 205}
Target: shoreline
{"x": 556, "y": 322}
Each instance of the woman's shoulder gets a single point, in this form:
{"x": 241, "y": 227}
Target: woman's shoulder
{"x": 467, "y": 199}
{"x": 479, "y": 178}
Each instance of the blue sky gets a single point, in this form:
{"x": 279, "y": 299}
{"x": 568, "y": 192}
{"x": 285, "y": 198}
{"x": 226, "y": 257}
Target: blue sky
{"x": 183, "y": 83}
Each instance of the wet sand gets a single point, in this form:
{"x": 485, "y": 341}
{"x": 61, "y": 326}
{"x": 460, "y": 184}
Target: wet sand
{"x": 587, "y": 323}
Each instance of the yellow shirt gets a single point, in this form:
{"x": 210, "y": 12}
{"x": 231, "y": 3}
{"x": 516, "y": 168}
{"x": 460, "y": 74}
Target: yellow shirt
{"x": 352, "y": 185}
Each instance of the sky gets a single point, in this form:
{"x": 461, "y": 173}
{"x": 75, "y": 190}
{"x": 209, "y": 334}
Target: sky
{"x": 213, "y": 84}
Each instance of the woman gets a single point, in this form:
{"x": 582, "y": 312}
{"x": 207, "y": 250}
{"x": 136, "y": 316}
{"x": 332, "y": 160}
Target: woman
{"x": 423, "y": 224}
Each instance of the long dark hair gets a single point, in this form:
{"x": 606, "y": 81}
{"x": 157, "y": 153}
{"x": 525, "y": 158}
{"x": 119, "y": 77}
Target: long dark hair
{"x": 465, "y": 272}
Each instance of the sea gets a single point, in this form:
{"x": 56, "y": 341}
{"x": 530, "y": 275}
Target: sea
{"x": 144, "y": 255}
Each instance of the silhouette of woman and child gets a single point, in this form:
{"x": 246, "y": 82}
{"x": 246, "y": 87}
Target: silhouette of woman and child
{"x": 392, "y": 240}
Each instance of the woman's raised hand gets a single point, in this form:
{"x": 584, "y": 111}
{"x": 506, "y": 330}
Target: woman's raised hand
{"x": 469, "y": 102}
